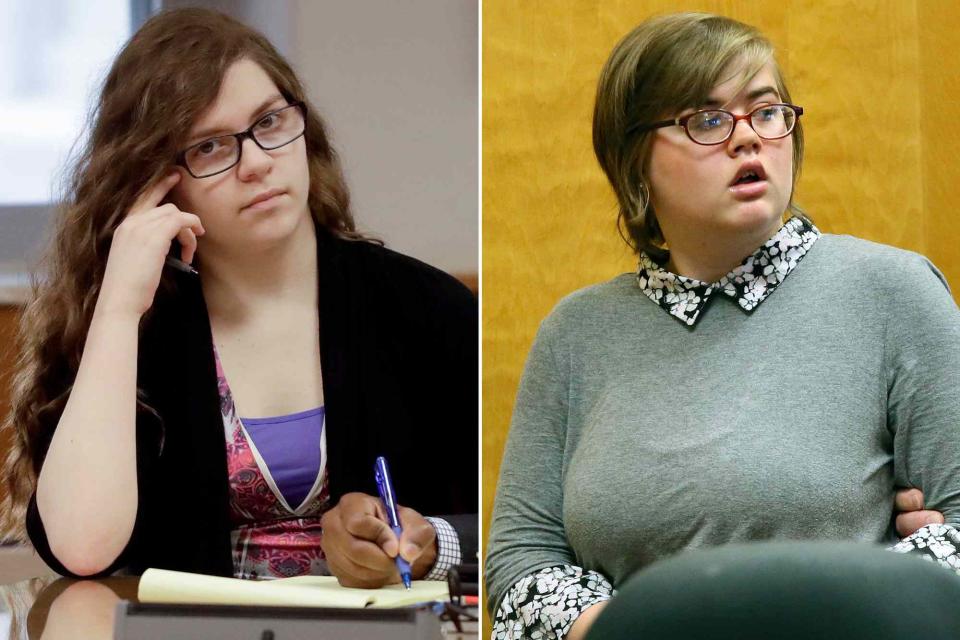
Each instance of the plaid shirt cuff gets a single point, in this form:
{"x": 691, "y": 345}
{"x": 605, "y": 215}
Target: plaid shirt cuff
{"x": 448, "y": 549}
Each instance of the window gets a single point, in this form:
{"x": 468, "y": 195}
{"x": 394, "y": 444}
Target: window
{"x": 53, "y": 55}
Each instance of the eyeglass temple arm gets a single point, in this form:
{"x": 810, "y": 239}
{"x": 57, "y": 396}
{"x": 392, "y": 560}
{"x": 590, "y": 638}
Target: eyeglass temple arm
{"x": 653, "y": 125}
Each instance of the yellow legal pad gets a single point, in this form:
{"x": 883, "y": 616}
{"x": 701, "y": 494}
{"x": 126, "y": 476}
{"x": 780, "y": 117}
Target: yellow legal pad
{"x": 176, "y": 587}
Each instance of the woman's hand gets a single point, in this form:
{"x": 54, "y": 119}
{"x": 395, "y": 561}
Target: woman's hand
{"x": 910, "y": 513}
{"x": 360, "y": 546}
{"x": 583, "y": 623}
{"x": 140, "y": 246}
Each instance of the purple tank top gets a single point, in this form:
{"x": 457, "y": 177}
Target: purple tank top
{"x": 290, "y": 446}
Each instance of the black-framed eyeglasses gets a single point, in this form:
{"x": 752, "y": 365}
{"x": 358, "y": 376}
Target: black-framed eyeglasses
{"x": 270, "y": 131}
{"x": 715, "y": 126}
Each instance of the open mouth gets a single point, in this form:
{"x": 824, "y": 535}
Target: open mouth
{"x": 747, "y": 178}
{"x": 749, "y": 173}
{"x": 750, "y": 182}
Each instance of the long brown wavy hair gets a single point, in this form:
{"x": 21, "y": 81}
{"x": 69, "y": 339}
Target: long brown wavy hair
{"x": 162, "y": 80}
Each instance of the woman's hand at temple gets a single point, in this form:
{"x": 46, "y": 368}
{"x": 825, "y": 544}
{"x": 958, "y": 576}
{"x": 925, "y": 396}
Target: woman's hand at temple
{"x": 360, "y": 546}
{"x": 911, "y": 514}
{"x": 140, "y": 246}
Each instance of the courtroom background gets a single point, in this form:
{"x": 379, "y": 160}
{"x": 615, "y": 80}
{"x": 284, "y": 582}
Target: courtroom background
{"x": 879, "y": 83}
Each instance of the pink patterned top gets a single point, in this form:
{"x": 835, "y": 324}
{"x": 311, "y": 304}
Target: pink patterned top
{"x": 270, "y": 538}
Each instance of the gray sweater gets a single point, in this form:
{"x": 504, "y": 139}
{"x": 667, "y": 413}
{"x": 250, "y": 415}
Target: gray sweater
{"x": 635, "y": 437}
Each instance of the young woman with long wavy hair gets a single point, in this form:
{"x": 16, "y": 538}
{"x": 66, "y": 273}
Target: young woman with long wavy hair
{"x": 129, "y": 447}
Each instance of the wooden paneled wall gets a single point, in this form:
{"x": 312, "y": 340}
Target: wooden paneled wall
{"x": 9, "y": 316}
{"x": 877, "y": 79}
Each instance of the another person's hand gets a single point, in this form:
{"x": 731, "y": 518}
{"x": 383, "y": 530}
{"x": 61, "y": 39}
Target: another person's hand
{"x": 140, "y": 246}
{"x": 360, "y": 546}
{"x": 583, "y": 623}
{"x": 911, "y": 514}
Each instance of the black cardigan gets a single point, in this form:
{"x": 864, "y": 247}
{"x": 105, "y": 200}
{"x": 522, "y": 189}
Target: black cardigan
{"x": 398, "y": 348}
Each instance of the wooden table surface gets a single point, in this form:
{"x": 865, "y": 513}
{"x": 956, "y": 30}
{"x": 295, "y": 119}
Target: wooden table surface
{"x": 56, "y": 608}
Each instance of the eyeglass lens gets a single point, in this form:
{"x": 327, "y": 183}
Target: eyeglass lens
{"x": 712, "y": 127}
{"x": 270, "y": 132}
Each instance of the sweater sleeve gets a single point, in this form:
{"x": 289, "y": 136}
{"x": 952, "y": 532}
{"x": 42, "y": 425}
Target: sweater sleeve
{"x": 922, "y": 354}
{"x": 527, "y": 530}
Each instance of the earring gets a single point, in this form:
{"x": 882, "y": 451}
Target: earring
{"x": 643, "y": 198}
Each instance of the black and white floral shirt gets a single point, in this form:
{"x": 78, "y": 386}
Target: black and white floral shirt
{"x": 749, "y": 284}
{"x": 545, "y": 604}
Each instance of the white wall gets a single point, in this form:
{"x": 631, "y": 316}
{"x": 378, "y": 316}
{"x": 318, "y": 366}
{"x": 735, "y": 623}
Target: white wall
{"x": 397, "y": 84}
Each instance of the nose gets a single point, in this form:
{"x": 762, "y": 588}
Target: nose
{"x": 254, "y": 161}
{"x": 743, "y": 136}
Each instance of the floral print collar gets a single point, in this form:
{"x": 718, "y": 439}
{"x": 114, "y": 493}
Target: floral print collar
{"x": 749, "y": 284}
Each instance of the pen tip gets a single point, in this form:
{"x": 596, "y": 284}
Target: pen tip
{"x": 406, "y": 582}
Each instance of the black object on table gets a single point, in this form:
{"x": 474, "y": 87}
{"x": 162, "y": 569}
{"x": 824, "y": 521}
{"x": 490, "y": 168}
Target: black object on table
{"x": 227, "y": 622}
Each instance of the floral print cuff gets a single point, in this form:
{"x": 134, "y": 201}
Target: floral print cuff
{"x": 939, "y": 543}
{"x": 544, "y": 605}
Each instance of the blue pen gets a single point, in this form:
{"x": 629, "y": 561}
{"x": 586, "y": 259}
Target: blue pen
{"x": 389, "y": 498}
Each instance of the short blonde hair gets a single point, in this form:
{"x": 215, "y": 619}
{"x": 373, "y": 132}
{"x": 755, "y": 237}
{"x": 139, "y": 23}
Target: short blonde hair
{"x": 665, "y": 65}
